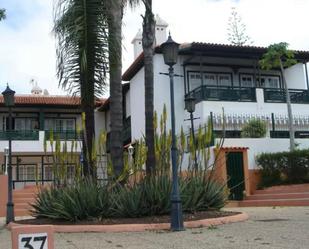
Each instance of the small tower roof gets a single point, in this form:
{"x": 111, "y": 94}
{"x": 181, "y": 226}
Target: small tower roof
{"x": 160, "y": 21}
{"x": 138, "y": 36}
{"x": 36, "y": 89}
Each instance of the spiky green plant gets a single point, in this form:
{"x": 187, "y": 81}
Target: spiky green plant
{"x": 80, "y": 201}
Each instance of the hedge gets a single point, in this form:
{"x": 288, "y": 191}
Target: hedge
{"x": 284, "y": 167}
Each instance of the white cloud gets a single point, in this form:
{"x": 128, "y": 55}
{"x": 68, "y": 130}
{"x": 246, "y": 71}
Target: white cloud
{"x": 29, "y": 50}
{"x": 267, "y": 21}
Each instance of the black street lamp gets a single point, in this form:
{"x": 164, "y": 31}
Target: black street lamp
{"x": 190, "y": 107}
{"x": 170, "y": 54}
{"x": 8, "y": 96}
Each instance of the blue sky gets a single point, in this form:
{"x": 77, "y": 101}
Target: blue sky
{"x": 27, "y": 46}
{"x": 20, "y": 11}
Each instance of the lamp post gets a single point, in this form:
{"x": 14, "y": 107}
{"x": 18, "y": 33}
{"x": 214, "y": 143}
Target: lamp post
{"x": 130, "y": 152}
{"x": 170, "y": 54}
{"x": 6, "y": 154}
{"x": 190, "y": 107}
{"x": 8, "y": 96}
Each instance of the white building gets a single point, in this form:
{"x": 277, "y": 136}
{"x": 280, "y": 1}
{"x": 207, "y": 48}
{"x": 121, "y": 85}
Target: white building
{"x": 224, "y": 77}
{"x": 34, "y": 117}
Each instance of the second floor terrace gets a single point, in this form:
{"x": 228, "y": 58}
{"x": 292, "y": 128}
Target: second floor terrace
{"x": 34, "y": 116}
{"x": 215, "y": 72}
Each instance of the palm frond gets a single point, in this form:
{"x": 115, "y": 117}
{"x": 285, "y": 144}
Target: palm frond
{"x": 80, "y": 28}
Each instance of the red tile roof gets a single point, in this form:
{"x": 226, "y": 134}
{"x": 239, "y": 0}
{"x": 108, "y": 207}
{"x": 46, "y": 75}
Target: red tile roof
{"x": 234, "y": 148}
{"x": 211, "y": 49}
{"x": 34, "y": 100}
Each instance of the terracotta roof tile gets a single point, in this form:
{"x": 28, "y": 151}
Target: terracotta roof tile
{"x": 49, "y": 100}
{"x": 234, "y": 148}
{"x": 210, "y": 49}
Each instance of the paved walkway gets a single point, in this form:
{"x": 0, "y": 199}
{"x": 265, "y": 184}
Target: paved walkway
{"x": 286, "y": 227}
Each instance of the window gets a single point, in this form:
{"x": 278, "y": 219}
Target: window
{"x": 69, "y": 125}
{"x": 59, "y": 124}
{"x": 270, "y": 81}
{"x": 194, "y": 80}
{"x": 246, "y": 80}
{"x": 48, "y": 172}
{"x": 224, "y": 80}
{"x": 26, "y": 124}
{"x": 210, "y": 79}
{"x": 27, "y": 172}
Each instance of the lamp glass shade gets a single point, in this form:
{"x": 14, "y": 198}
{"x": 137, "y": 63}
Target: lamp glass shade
{"x": 131, "y": 150}
{"x": 170, "y": 51}
{"x": 190, "y": 104}
{"x": 8, "y": 96}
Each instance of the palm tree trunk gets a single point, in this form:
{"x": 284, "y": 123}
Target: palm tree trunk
{"x": 290, "y": 114}
{"x": 90, "y": 168}
{"x": 148, "y": 42}
{"x": 116, "y": 111}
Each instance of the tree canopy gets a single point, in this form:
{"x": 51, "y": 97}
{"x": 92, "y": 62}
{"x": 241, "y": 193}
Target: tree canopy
{"x": 237, "y": 30}
{"x": 276, "y": 54}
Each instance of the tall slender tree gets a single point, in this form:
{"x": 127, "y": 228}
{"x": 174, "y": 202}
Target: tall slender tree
{"x": 115, "y": 10}
{"x": 278, "y": 56}
{"x": 80, "y": 28}
{"x": 236, "y": 30}
{"x": 115, "y": 13}
{"x": 2, "y": 14}
{"x": 148, "y": 49}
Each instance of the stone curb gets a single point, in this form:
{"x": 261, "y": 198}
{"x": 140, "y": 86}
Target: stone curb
{"x": 141, "y": 227}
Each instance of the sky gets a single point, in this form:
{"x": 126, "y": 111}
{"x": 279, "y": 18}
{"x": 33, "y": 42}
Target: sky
{"x": 27, "y": 45}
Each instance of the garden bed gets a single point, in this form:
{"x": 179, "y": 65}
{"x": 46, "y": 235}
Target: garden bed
{"x": 141, "y": 220}
{"x": 196, "y": 220}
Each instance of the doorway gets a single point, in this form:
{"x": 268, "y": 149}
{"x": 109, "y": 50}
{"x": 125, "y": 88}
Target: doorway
{"x": 235, "y": 175}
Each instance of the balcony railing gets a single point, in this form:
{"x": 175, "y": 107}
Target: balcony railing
{"x": 223, "y": 93}
{"x": 297, "y": 96}
{"x": 19, "y": 135}
{"x": 63, "y": 135}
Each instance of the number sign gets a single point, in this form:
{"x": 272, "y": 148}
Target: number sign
{"x": 32, "y": 237}
{"x": 32, "y": 241}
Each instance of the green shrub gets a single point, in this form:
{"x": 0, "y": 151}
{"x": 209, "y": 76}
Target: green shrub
{"x": 200, "y": 194}
{"x": 80, "y": 201}
{"x": 284, "y": 167}
{"x": 87, "y": 200}
{"x": 157, "y": 191}
{"x": 255, "y": 128}
{"x": 127, "y": 202}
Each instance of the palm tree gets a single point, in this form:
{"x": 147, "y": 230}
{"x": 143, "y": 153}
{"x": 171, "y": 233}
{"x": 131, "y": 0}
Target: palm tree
{"x": 115, "y": 13}
{"x": 2, "y": 14}
{"x": 148, "y": 49}
{"x": 80, "y": 29}
{"x": 278, "y": 56}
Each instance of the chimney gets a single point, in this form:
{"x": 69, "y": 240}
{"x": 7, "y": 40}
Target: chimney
{"x": 160, "y": 36}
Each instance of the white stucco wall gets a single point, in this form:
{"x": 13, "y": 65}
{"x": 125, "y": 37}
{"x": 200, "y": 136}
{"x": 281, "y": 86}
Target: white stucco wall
{"x": 259, "y": 145}
{"x": 260, "y": 107}
{"x": 161, "y": 97}
{"x": 137, "y": 102}
{"x": 31, "y": 145}
{"x": 162, "y": 91}
{"x": 99, "y": 118}
{"x": 294, "y": 74}
{"x": 128, "y": 107}
{"x": 295, "y": 77}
